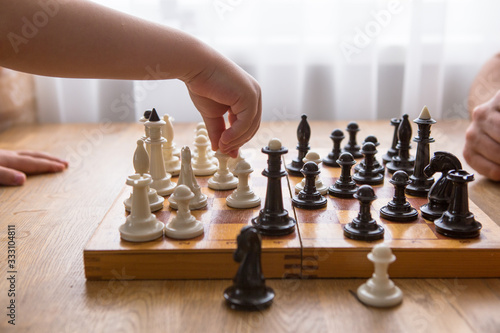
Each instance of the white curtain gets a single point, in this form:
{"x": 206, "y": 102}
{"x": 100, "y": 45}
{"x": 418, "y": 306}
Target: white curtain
{"x": 330, "y": 59}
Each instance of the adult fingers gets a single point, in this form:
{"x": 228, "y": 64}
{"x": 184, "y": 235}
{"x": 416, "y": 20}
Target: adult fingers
{"x": 481, "y": 143}
{"x": 482, "y": 164}
{"x": 33, "y": 165}
{"x": 42, "y": 155}
{"x": 11, "y": 177}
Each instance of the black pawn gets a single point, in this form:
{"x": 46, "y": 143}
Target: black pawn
{"x": 440, "y": 193}
{"x": 367, "y": 173}
{"x": 303, "y": 136}
{"x": 274, "y": 220}
{"x": 309, "y": 197}
{"x": 457, "y": 221}
{"x": 364, "y": 227}
{"x": 147, "y": 114}
{"x": 377, "y": 167}
{"x": 398, "y": 209}
{"x": 249, "y": 291}
{"x": 392, "y": 151}
{"x": 403, "y": 161}
{"x": 420, "y": 184}
{"x": 344, "y": 187}
{"x": 352, "y": 146}
{"x": 331, "y": 160}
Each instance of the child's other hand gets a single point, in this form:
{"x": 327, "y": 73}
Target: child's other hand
{"x": 15, "y": 165}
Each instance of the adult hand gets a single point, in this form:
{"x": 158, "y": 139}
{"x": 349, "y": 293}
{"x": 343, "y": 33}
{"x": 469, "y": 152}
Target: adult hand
{"x": 15, "y": 165}
{"x": 482, "y": 145}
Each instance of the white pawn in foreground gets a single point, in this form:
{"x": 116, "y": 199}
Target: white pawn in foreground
{"x": 172, "y": 162}
{"x": 243, "y": 196}
{"x": 187, "y": 178}
{"x": 140, "y": 225}
{"x": 141, "y": 166}
{"x": 223, "y": 178}
{"x": 380, "y": 291}
{"x": 202, "y": 165}
{"x": 320, "y": 186}
{"x": 184, "y": 225}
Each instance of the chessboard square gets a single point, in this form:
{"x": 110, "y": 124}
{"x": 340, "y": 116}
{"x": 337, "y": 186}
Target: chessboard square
{"x": 208, "y": 192}
{"x": 413, "y": 231}
{"x": 320, "y": 231}
{"x": 343, "y": 204}
{"x": 219, "y": 204}
{"x": 317, "y": 216}
{"x": 225, "y": 232}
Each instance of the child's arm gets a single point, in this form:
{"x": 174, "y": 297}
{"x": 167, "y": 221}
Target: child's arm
{"x": 482, "y": 145}
{"x": 84, "y": 40}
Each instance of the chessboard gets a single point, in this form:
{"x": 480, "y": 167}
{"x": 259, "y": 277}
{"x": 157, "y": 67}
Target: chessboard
{"x": 317, "y": 248}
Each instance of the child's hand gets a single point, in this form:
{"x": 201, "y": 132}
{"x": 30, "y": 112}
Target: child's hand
{"x": 482, "y": 145}
{"x": 224, "y": 87}
{"x": 14, "y": 165}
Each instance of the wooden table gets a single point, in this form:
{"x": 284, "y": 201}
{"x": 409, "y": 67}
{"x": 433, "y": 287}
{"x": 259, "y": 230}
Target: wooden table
{"x": 55, "y": 215}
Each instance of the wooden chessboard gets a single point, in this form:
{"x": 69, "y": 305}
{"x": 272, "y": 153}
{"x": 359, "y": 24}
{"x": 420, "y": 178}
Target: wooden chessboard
{"x": 317, "y": 249}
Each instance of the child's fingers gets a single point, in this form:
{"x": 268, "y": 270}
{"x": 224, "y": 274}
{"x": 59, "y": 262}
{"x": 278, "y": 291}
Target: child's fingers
{"x": 11, "y": 177}
{"x": 33, "y": 165}
{"x": 46, "y": 156}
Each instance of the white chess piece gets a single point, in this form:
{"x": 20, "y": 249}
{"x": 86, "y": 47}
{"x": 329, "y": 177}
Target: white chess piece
{"x": 161, "y": 179}
{"x": 168, "y": 130}
{"x": 202, "y": 166}
{"x": 231, "y": 164}
{"x": 140, "y": 225}
{"x": 184, "y": 225}
{"x": 223, "y": 178}
{"x": 210, "y": 152}
{"x": 172, "y": 162}
{"x": 141, "y": 166}
{"x": 320, "y": 186}
{"x": 243, "y": 196}
{"x": 379, "y": 290}
{"x": 187, "y": 178}
{"x": 145, "y": 136}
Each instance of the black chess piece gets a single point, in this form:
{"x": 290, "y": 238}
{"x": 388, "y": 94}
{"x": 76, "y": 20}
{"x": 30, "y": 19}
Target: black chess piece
{"x": 147, "y": 114}
{"x": 364, "y": 227}
{"x": 440, "y": 192}
{"x": 367, "y": 173}
{"x": 457, "y": 221}
{"x": 309, "y": 197}
{"x": 399, "y": 209}
{"x": 303, "y": 136}
{"x": 420, "y": 184}
{"x": 331, "y": 160}
{"x": 274, "y": 220}
{"x": 154, "y": 115}
{"x": 249, "y": 291}
{"x": 392, "y": 151}
{"x": 344, "y": 187}
{"x": 352, "y": 146}
{"x": 377, "y": 167}
{"x": 403, "y": 161}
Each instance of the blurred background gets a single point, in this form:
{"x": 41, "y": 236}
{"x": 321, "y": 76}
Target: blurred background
{"x": 330, "y": 59}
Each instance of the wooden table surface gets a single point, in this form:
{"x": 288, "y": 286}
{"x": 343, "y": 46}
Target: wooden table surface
{"x": 55, "y": 215}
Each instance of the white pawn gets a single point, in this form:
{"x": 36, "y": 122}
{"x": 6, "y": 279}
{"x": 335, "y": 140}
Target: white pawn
{"x": 140, "y": 225}
{"x": 231, "y": 164}
{"x": 210, "y": 152}
{"x": 184, "y": 225}
{"x": 223, "y": 178}
{"x": 379, "y": 290}
{"x": 187, "y": 178}
{"x": 141, "y": 166}
{"x": 168, "y": 131}
{"x": 243, "y": 196}
{"x": 145, "y": 136}
{"x": 172, "y": 162}
{"x": 320, "y": 186}
{"x": 202, "y": 166}
{"x": 161, "y": 179}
